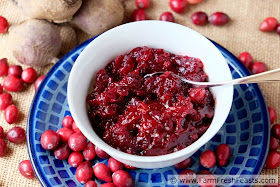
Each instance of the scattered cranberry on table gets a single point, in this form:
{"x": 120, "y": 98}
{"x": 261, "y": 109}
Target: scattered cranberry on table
{"x": 187, "y": 175}
{"x": 178, "y": 5}
{"x": 274, "y": 143}
{"x": 1, "y": 132}
{"x": 206, "y": 179}
{"x": 102, "y": 172}
{"x": 223, "y": 154}
{"x": 16, "y": 135}
{"x": 108, "y": 185}
{"x": 77, "y": 142}
{"x": 3, "y": 147}
{"x": 75, "y": 159}
{"x": 89, "y": 151}
{"x": 246, "y": 59}
{"x": 84, "y": 172}
{"x": 75, "y": 128}
{"x": 123, "y": 179}
{"x": 91, "y": 184}
{"x": 62, "y": 152}
{"x": 269, "y": 24}
{"x": 272, "y": 114}
{"x": 50, "y": 140}
{"x": 208, "y": 159}
{"x": 67, "y": 122}
{"x": 258, "y": 67}
{"x": 192, "y": 2}
{"x": 272, "y": 160}
{"x": 139, "y": 15}
{"x": 4, "y": 25}
{"x": 184, "y": 164}
{"x": 114, "y": 165}
{"x": 167, "y": 16}
{"x": 129, "y": 167}
{"x": 219, "y": 18}
{"x": 3, "y": 67}
{"x": 29, "y": 75}
{"x": 142, "y": 3}
{"x": 26, "y": 169}
{"x": 64, "y": 134}
{"x": 278, "y": 29}
{"x": 102, "y": 154}
{"x": 199, "y": 18}
{"x": 15, "y": 70}
{"x": 38, "y": 82}
{"x": 5, "y": 100}
{"x": 11, "y": 114}
{"x": 275, "y": 130}
{"x": 12, "y": 83}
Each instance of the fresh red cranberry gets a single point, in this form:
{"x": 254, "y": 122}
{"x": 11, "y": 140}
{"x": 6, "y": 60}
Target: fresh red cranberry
{"x": 187, "y": 175}
{"x": 67, "y": 122}
{"x": 29, "y": 75}
{"x": 25, "y": 168}
{"x": 77, "y": 142}
{"x": 199, "y": 18}
{"x": 278, "y": 29}
{"x": 110, "y": 184}
{"x": 75, "y": 128}
{"x": 246, "y": 59}
{"x": 272, "y": 160}
{"x": 223, "y": 154}
{"x": 38, "y": 82}
{"x": 192, "y": 2}
{"x": 219, "y": 18}
{"x": 114, "y": 165}
{"x": 102, "y": 154}
{"x": 84, "y": 172}
{"x": 258, "y": 67}
{"x": 11, "y": 114}
{"x": 184, "y": 164}
{"x": 129, "y": 167}
{"x": 16, "y": 135}
{"x": 3, "y": 67}
{"x": 208, "y": 159}
{"x": 89, "y": 152}
{"x": 272, "y": 114}
{"x": 1, "y": 132}
{"x": 178, "y": 5}
{"x": 142, "y": 3}
{"x": 62, "y": 152}
{"x": 1, "y": 89}
{"x": 64, "y": 134}
{"x": 274, "y": 143}
{"x": 123, "y": 179}
{"x": 4, "y": 25}
{"x": 15, "y": 70}
{"x": 50, "y": 140}
{"x": 275, "y": 130}
{"x": 5, "y": 100}
{"x": 269, "y": 24}
{"x": 139, "y": 15}
{"x": 75, "y": 159}
{"x": 167, "y": 16}
{"x": 3, "y": 148}
{"x": 206, "y": 179}
{"x": 91, "y": 184}
{"x": 12, "y": 83}
{"x": 102, "y": 172}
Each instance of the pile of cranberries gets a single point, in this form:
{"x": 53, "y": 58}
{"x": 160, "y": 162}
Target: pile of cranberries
{"x": 270, "y": 24}
{"x": 68, "y": 143}
{"x": 247, "y": 60}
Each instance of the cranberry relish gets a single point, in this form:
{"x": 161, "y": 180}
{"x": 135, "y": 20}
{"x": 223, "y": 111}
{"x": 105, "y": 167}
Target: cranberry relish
{"x": 155, "y": 115}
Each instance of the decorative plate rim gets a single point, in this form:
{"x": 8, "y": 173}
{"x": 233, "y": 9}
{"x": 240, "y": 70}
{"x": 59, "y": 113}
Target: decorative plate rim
{"x": 264, "y": 111}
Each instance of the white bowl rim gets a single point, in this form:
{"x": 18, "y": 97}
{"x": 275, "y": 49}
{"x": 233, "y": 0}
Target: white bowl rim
{"x": 126, "y": 156}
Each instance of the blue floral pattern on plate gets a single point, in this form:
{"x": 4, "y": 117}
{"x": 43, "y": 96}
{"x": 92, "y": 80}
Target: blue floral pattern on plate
{"x": 246, "y": 129}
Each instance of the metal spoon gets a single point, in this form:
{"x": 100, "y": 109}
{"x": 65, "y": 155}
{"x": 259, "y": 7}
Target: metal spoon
{"x": 268, "y": 76}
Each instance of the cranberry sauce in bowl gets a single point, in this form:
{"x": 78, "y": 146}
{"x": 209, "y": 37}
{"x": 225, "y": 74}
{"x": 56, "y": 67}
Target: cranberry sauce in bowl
{"x": 150, "y": 116}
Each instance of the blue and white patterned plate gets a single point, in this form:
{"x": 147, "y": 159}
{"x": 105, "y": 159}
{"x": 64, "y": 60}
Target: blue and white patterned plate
{"x": 246, "y": 130}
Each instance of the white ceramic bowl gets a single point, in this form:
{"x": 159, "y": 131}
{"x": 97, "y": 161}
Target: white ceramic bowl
{"x": 171, "y": 37}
